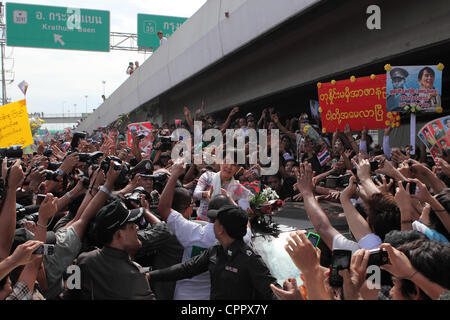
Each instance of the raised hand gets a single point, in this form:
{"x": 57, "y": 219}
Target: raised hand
{"x": 304, "y": 179}
{"x": 348, "y": 131}
{"x": 348, "y": 192}
{"x": 234, "y": 111}
{"x": 112, "y": 174}
{"x": 178, "y": 168}
{"x": 354, "y": 278}
{"x": 69, "y": 162}
{"x": 362, "y": 168}
{"x": 443, "y": 166}
{"x": 383, "y": 186}
{"x": 24, "y": 252}
{"x": 423, "y": 194}
{"x": 399, "y": 264}
{"x": 48, "y": 207}
{"x": 305, "y": 257}
{"x": 275, "y": 118}
{"x": 15, "y": 175}
{"x": 186, "y": 112}
{"x": 290, "y": 291}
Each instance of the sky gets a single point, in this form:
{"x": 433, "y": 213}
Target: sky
{"x": 59, "y": 80}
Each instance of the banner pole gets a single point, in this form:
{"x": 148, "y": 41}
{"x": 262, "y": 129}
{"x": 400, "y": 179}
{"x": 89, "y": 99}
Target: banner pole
{"x": 412, "y": 133}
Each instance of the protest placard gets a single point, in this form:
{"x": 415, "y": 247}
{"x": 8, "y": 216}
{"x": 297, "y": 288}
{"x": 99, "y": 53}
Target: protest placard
{"x": 436, "y": 136}
{"x": 358, "y": 102}
{"x": 14, "y": 125}
{"x": 144, "y": 128}
{"x": 414, "y": 88}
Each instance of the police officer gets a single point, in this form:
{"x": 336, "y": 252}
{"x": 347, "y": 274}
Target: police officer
{"x": 398, "y": 78}
{"x": 236, "y": 271}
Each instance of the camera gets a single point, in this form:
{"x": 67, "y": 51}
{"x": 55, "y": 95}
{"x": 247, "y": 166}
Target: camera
{"x": 46, "y": 249}
{"x": 53, "y": 166}
{"x": 135, "y": 198}
{"x": 11, "y": 152}
{"x": 412, "y": 186}
{"x": 166, "y": 143}
{"x": 122, "y": 179}
{"x": 337, "y": 182}
{"x": 47, "y": 153}
{"x": 77, "y": 136}
{"x": 340, "y": 260}
{"x": 51, "y": 175}
{"x": 378, "y": 257}
{"x": 90, "y": 157}
{"x": 378, "y": 177}
{"x": 39, "y": 199}
{"x": 157, "y": 177}
{"x": 117, "y": 163}
{"x": 27, "y": 212}
{"x": 374, "y": 165}
{"x": 331, "y": 182}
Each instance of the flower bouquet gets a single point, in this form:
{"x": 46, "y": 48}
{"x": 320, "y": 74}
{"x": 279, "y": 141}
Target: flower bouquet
{"x": 262, "y": 207}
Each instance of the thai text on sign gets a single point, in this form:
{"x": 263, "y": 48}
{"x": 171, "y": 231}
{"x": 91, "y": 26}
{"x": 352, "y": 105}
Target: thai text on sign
{"x": 14, "y": 125}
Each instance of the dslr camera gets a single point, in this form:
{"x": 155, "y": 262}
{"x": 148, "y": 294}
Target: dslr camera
{"x": 51, "y": 175}
{"x": 135, "y": 197}
{"x": 166, "y": 143}
{"x": 123, "y": 178}
{"x": 90, "y": 158}
{"x": 53, "y": 166}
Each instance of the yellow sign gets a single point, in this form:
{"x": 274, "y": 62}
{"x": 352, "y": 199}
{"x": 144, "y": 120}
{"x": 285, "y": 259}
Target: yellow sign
{"x": 14, "y": 125}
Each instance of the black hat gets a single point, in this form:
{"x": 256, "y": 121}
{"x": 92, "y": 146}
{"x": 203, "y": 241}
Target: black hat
{"x": 398, "y": 73}
{"x": 114, "y": 215}
{"x": 144, "y": 167}
{"x": 232, "y": 218}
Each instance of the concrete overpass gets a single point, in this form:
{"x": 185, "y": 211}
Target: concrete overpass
{"x": 62, "y": 118}
{"x": 273, "y": 53}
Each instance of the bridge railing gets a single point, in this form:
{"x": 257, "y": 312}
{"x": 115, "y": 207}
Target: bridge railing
{"x": 60, "y": 115}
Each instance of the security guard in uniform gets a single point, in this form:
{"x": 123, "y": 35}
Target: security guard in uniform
{"x": 236, "y": 271}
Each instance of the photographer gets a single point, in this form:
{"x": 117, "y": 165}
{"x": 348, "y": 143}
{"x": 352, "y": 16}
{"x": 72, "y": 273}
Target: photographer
{"x": 10, "y": 180}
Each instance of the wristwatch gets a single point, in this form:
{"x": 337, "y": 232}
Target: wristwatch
{"x": 105, "y": 190}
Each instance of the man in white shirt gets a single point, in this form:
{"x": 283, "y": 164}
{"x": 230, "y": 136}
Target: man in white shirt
{"x": 161, "y": 37}
{"x": 194, "y": 236}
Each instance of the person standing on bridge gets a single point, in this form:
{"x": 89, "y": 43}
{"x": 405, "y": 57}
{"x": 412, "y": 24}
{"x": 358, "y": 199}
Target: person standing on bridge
{"x": 161, "y": 37}
{"x": 130, "y": 68}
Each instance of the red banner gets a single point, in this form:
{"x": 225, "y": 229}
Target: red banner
{"x": 359, "y": 102}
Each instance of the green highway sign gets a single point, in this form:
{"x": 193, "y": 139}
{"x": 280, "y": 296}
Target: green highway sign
{"x": 149, "y": 25}
{"x": 57, "y": 27}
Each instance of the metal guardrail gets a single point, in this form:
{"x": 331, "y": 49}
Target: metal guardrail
{"x": 60, "y": 115}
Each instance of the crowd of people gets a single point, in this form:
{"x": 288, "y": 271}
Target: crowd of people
{"x": 148, "y": 225}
